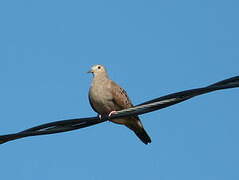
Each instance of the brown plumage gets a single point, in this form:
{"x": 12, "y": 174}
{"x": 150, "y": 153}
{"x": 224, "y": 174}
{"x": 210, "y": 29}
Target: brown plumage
{"x": 106, "y": 96}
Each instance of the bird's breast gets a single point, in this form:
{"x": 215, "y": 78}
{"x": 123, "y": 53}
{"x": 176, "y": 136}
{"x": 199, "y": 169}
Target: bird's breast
{"x": 101, "y": 98}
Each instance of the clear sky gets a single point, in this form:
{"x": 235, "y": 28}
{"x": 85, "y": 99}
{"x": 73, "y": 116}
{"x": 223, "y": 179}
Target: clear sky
{"x": 151, "y": 48}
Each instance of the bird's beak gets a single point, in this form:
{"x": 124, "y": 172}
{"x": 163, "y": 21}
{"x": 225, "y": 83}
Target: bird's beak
{"x": 90, "y": 71}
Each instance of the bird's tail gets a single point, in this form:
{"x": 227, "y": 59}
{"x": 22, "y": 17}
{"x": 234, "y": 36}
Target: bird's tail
{"x": 143, "y": 136}
{"x": 138, "y": 129}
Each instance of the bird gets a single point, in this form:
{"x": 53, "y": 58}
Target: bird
{"x": 106, "y": 97}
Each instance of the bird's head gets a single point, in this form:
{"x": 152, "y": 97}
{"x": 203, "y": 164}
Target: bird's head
{"x": 97, "y": 69}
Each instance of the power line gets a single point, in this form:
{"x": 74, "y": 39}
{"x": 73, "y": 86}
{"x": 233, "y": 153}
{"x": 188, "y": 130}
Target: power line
{"x": 146, "y": 107}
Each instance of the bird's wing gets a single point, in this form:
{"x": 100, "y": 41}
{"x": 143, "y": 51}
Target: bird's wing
{"x": 122, "y": 101}
{"x": 120, "y": 97}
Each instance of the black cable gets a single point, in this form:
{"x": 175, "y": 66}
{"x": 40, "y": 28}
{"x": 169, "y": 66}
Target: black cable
{"x": 146, "y": 107}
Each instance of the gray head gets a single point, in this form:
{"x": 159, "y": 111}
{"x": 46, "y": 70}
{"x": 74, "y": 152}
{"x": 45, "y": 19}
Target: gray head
{"x": 97, "y": 70}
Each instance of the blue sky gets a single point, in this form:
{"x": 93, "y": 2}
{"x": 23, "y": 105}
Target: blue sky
{"x": 151, "y": 48}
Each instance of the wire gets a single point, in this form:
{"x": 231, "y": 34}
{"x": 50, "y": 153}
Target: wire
{"x": 146, "y": 107}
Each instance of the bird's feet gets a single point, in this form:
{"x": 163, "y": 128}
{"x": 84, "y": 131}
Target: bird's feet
{"x": 100, "y": 116}
{"x": 112, "y": 112}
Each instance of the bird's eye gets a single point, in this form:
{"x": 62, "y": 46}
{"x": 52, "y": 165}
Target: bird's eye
{"x": 99, "y": 67}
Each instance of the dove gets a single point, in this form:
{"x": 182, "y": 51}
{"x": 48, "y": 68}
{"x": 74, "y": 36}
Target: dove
{"x": 106, "y": 97}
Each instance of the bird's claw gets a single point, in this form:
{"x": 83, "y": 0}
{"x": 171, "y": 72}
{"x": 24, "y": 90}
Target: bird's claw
{"x": 100, "y": 116}
{"x": 112, "y": 112}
